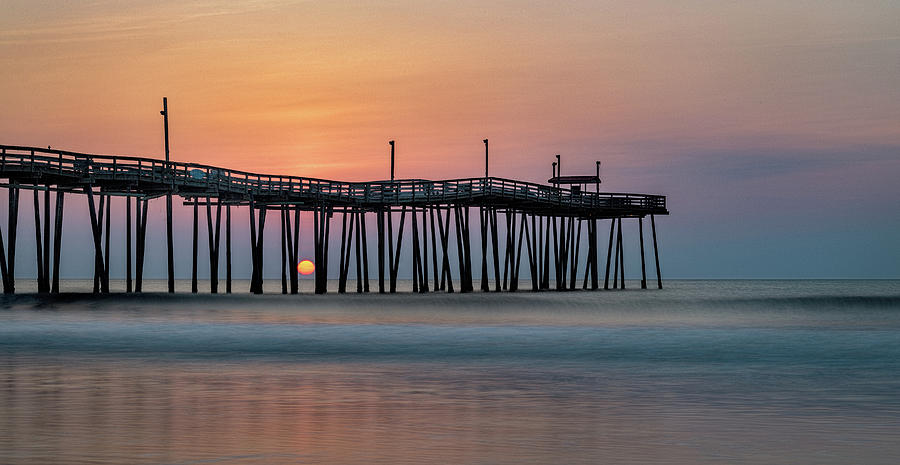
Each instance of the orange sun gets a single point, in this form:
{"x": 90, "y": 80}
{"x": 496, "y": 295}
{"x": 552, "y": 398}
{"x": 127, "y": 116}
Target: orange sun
{"x": 306, "y": 267}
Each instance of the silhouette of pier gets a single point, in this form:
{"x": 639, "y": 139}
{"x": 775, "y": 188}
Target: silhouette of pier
{"x": 516, "y": 220}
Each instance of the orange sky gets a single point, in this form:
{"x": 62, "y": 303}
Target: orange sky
{"x": 317, "y": 88}
{"x": 730, "y": 108}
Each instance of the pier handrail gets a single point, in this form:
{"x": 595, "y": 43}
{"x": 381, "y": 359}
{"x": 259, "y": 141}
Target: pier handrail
{"x": 200, "y": 180}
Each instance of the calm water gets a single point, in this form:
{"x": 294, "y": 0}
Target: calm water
{"x": 702, "y": 372}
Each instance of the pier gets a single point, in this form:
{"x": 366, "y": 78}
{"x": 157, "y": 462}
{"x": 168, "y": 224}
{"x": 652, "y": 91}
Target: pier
{"x": 547, "y": 225}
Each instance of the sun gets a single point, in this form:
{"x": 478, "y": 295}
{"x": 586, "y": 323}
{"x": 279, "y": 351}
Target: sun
{"x": 306, "y": 267}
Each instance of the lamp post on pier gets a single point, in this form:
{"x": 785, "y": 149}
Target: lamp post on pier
{"x": 485, "y": 158}
{"x": 392, "y": 159}
{"x": 169, "y": 238}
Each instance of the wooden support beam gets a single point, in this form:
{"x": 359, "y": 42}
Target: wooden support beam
{"x": 655, "y": 251}
{"x": 170, "y": 245}
{"x": 12, "y": 222}
{"x": 46, "y": 240}
{"x": 295, "y": 261}
{"x": 531, "y": 246}
{"x": 483, "y": 217}
{"x": 380, "y": 227}
{"x": 142, "y": 206}
{"x": 129, "y": 285}
{"x": 446, "y": 273}
{"x": 395, "y": 265}
{"x": 546, "y": 238}
{"x": 194, "y": 287}
{"x": 212, "y": 240}
{"x": 228, "y": 249}
{"x": 557, "y": 232}
{"x": 618, "y": 247}
{"x": 284, "y": 248}
{"x": 495, "y": 251}
{"x": 509, "y": 248}
{"x": 359, "y": 281}
{"x": 437, "y": 280}
{"x": 365, "y": 249}
{"x": 621, "y": 255}
{"x": 573, "y": 271}
{"x": 3, "y": 264}
{"x": 317, "y": 239}
{"x": 105, "y": 279}
{"x": 643, "y": 265}
{"x": 95, "y": 233}
{"x": 467, "y": 248}
{"x": 612, "y": 230}
{"x": 517, "y": 258}
{"x": 416, "y": 252}
{"x": 594, "y": 258}
{"x": 39, "y": 250}
{"x": 342, "y": 278}
{"x": 57, "y": 241}
{"x": 423, "y": 258}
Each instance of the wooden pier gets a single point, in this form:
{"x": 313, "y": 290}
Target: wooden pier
{"x": 516, "y": 220}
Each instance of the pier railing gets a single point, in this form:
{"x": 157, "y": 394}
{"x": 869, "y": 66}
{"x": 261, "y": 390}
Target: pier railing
{"x": 148, "y": 175}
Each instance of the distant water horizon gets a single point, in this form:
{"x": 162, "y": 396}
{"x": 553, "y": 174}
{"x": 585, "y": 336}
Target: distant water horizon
{"x": 703, "y": 371}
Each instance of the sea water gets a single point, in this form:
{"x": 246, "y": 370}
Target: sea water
{"x": 708, "y": 372}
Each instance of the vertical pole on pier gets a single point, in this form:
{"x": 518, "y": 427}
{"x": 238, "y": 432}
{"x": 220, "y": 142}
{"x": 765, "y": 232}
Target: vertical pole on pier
{"x": 57, "y": 240}
{"x": 194, "y": 248}
{"x": 128, "y": 283}
{"x": 485, "y": 158}
{"x": 495, "y": 251}
{"x": 39, "y": 252}
{"x": 170, "y": 242}
{"x": 655, "y": 251}
{"x": 621, "y": 255}
{"x": 228, "y": 249}
{"x": 392, "y": 159}
{"x": 379, "y": 218}
{"x": 457, "y": 211}
{"x": 643, "y": 266}
{"x": 365, "y": 250}
{"x": 612, "y": 230}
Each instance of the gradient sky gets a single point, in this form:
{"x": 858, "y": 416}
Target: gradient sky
{"x": 773, "y": 127}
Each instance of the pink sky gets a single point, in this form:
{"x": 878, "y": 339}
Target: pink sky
{"x": 744, "y": 113}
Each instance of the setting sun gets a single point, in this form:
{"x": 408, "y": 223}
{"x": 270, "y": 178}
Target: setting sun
{"x": 306, "y": 267}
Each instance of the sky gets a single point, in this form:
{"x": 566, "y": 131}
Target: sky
{"x": 773, "y": 127}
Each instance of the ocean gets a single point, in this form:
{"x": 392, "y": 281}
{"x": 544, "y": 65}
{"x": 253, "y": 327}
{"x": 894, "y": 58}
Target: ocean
{"x": 701, "y": 372}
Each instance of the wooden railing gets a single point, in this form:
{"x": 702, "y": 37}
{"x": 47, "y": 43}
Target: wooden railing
{"x": 190, "y": 178}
